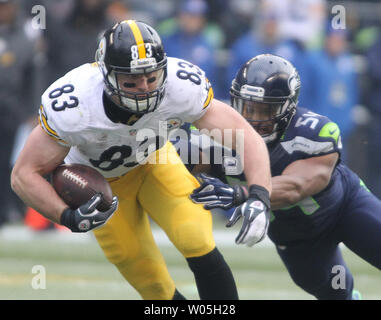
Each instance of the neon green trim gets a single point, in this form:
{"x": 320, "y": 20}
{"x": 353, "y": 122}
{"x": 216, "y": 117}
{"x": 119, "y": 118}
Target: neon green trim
{"x": 362, "y": 184}
{"x": 330, "y": 130}
{"x": 307, "y": 205}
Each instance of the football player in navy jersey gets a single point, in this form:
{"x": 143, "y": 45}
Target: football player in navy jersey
{"x": 317, "y": 202}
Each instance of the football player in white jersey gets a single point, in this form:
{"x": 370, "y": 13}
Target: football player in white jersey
{"x": 115, "y": 115}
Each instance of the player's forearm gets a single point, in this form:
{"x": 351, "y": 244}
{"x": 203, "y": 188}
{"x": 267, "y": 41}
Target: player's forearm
{"x": 245, "y": 140}
{"x": 302, "y": 179}
{"x": 286, "y": 191}
{"x": 256, "y": 161}
{"x": 37, "y": 193}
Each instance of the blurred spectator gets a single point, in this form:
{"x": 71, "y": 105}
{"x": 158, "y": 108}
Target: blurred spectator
{"x": 73, "y": 39}
{"x": 365, "y": 38}
{"x": 117, "y": 11}
{"x": 334, "y": 87}
{"x": 374, "y": 104}
{"x": 17, "y": 100}
{"x": 299, "y": 20}
{"x": 189, "y": 39}
{"x": 236, "y": 19}
{"x": 264, "y": 37}
{"x": 150, "y": 11}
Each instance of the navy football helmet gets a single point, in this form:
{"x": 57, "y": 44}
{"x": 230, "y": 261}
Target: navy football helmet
{"x": 128, "y": 50}
{"x": 265, "y": 91}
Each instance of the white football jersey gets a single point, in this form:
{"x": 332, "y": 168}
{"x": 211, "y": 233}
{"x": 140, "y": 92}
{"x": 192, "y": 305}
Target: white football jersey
{"x": 72, "y": 112}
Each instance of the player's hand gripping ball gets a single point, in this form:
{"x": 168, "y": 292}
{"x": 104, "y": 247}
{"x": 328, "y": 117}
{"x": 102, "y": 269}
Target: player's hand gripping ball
{"x": 88, "y": 195}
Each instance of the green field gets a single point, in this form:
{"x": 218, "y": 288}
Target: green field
{"x": 76, "y": 268}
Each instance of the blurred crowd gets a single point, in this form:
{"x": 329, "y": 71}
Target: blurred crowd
{"x": 340, "y": 68}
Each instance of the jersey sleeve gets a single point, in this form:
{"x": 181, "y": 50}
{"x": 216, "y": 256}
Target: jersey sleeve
{"x": 311, "y": 135}
{"x": 330, "y": 134}
{"x": 62, "y": 112}
{"x": 190, "y": 90}
{"x": 48, "y": 125}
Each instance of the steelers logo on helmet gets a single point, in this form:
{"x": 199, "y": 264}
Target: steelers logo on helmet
{"x": 265, "y": 91}
{"x": 100, "y": 55}
{"x": 134, "y": 66}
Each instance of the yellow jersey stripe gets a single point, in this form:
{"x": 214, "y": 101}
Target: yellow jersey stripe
{"x": 44, "y": 122}
{"x": 45, "y": 126}
{"x": 51, "y": 136}
{"x": 138, "y": 38}
{"x": 209, "y": 97}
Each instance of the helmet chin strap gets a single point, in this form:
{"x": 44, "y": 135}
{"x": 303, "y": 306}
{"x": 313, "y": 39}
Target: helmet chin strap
{"x": 270, "y": 138}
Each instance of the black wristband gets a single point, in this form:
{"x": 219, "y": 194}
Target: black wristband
{"x": 67, "y": 217}
{"x": 256, "y": 191}
{"x": 240, "y": 195}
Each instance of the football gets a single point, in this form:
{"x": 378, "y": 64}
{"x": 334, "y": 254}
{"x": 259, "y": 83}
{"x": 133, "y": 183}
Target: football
{"x": 77, "y": 183}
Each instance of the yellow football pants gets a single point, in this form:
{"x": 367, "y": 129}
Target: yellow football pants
{"x": 160, "y": 191}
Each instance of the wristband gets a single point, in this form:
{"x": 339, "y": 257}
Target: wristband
{"x": 256, "y": 191}
{"x": 67, "y": 217}
{"x": 240, "y": 195}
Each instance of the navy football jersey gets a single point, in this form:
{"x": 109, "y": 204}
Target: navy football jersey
{"x": 308, "y": 135}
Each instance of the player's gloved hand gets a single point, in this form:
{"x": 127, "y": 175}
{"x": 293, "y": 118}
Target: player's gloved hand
{"x": 252, "y": 205}
{"x": 256, "y": 216}
{"x": 213, "y": 193}
{"x": 87, "y": 217}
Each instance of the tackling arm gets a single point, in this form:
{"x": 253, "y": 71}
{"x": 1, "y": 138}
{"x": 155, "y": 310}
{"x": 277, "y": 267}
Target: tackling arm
{"x": 301, "y": 179}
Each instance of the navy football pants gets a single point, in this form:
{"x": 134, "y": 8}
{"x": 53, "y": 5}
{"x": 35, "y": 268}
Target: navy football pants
{"x": 317, "y": 265}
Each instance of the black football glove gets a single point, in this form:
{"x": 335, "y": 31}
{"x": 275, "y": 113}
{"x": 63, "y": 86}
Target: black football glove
{"x": 213, "y": 193}
{"x": 87, "y": 217}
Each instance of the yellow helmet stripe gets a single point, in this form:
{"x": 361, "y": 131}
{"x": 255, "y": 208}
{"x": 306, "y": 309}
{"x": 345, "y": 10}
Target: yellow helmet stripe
{"x": 138, "y": 38}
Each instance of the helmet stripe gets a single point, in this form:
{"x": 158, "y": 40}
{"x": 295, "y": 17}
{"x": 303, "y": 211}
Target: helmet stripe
{"x": 138, "y": 38}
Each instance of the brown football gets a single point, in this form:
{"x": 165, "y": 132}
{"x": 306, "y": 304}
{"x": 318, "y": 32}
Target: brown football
{"x": 77, "y": 183}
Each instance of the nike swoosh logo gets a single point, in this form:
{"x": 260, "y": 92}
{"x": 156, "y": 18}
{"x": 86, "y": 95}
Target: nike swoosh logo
{"x": 97, "y": 222}
{"x": 332, "y": 131}
{"x": 251, "y": 210}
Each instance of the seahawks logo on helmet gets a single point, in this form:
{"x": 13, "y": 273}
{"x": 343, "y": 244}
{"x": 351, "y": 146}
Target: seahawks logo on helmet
{"x": 294, "y": 83}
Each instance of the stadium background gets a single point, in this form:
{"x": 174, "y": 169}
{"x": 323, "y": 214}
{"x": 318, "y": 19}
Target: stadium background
{"x": 341, "y": 80}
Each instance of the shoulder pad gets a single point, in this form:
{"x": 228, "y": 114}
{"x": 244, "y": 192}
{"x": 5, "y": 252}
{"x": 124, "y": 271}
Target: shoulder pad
{"x": 65, "y": 104}
{"x": 189, "y": 93}
{"x": 312, "y": 134}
